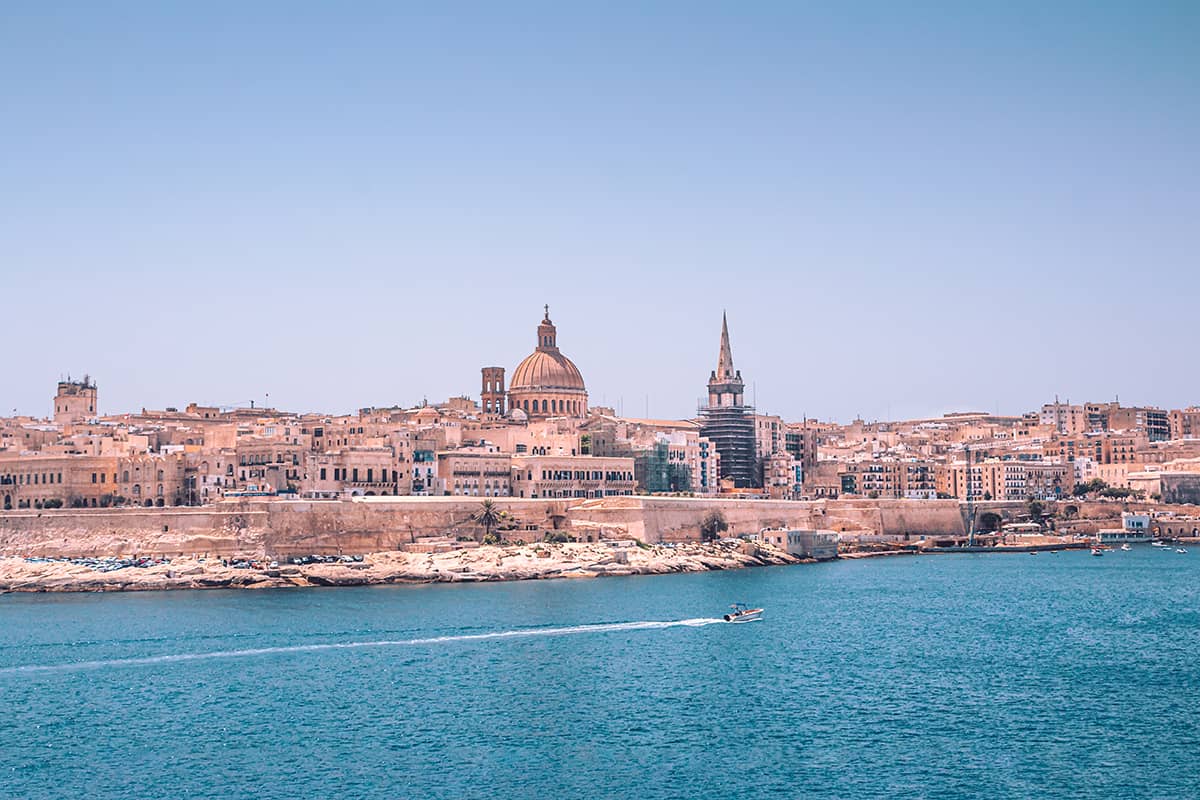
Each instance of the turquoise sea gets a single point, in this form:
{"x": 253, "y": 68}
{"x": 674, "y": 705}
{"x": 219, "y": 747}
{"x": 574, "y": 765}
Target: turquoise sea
{"x": 974, "y": 676}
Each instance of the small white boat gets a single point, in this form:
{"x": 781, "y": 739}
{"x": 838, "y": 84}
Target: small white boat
{"x": 743, "y": 613}
{"x": 1181, "y": 550}
{"x": 1126, "y": 547}
{"x": 1096, "y": 551}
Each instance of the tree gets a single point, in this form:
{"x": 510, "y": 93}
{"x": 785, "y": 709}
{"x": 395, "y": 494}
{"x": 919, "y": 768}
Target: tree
{"x": 1036, "y": 510}
{"x": 989, "y": 521}
{"x": 1094, "y": 486}
{"x": 712, "y": 525}
{"x": 488, "y": 516}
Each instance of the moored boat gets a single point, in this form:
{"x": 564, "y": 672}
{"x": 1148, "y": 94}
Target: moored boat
{"x": 1096, "y": 551}
{"x": 743, "y": 613}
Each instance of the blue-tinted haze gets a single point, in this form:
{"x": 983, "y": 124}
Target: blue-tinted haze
{"x": 906, "y": 208}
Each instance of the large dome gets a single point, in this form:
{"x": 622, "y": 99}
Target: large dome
{"x": 547, "y": 383}
{"x": 546, "y": 370}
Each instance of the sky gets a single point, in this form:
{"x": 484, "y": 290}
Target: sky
{"x": 905, "y": 208}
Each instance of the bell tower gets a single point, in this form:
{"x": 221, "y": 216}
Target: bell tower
{"x": 725, "y": 385}
{"x": 728, "y": 422}
{"x": 493, "y": 394}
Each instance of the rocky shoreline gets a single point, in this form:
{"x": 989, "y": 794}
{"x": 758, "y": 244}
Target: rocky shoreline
{"x": 478, "y": 564}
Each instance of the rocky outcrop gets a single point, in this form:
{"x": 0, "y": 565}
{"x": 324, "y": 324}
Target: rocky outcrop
{"x": 490, "y": 563}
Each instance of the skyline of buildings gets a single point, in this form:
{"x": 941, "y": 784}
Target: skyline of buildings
{"x": 497, "y": 375}
{"x": 539, "y": 436}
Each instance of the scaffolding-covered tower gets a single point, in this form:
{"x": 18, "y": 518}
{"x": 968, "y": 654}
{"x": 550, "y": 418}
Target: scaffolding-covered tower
{"x": 728, "y": 422}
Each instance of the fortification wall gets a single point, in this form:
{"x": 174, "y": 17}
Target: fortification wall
{"x": 284, "y": 528}
{"x": 132, "y": 531}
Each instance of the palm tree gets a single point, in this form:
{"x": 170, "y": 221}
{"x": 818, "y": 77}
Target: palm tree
{"x": 713, "y": 525}
{"x": 488, "y": 516}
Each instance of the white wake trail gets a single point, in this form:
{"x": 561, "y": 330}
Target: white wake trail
{"x": 80, "y": 666}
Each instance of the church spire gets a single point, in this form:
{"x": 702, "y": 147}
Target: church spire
{"x": 725, "y": 360}
{"x": 725, "y": 387}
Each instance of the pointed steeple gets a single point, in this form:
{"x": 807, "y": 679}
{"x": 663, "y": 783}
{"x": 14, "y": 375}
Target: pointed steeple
{"x": 725, "y": 387}
{"x": 725, "y": 359}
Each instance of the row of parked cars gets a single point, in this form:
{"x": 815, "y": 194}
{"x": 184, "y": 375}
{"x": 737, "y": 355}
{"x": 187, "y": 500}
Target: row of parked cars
{"x": 104, "y": 564}
{"x": 326, "y": 559}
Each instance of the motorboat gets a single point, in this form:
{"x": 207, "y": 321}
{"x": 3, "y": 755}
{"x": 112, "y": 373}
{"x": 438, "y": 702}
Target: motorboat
{"x": 1096, "y": 551}
{"x": 1182, "y": 550}
{"x": 740, "y": 612}
{"x": 1126, "y": 547}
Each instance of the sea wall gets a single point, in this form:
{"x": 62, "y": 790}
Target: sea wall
{"x": 283, "y": 528}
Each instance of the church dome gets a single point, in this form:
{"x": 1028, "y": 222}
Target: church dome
{"x": 547, "y": 371}
{"x": 547, "y": 383}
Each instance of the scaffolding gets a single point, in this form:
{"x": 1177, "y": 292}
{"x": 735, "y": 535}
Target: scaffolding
{"x": 656, "y": 473}
{"x": 731, "y": 430}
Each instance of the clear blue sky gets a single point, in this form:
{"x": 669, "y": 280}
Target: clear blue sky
{"x": 906, "y": 208}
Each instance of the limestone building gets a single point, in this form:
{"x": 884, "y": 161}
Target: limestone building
{"x": 75, "y": 401}
{"x": 581, "y": 477}
{"x": 480, "y": 471}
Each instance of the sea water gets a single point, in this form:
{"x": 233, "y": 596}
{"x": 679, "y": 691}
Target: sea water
{"x": 990, "y": 676}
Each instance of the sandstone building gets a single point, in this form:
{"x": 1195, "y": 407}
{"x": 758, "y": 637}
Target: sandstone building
{"x": 75, "y": 401}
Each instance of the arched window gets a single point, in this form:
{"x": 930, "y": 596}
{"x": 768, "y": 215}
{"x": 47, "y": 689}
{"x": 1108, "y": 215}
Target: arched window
{"x": 543, "y": 406}
{"x": 125, "y": 476}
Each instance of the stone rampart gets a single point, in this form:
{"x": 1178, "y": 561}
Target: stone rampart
{"x": 284, "y": 528}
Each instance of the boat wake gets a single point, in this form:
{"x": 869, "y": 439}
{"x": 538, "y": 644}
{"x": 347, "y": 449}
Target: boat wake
{"x": 606, "y": 627}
